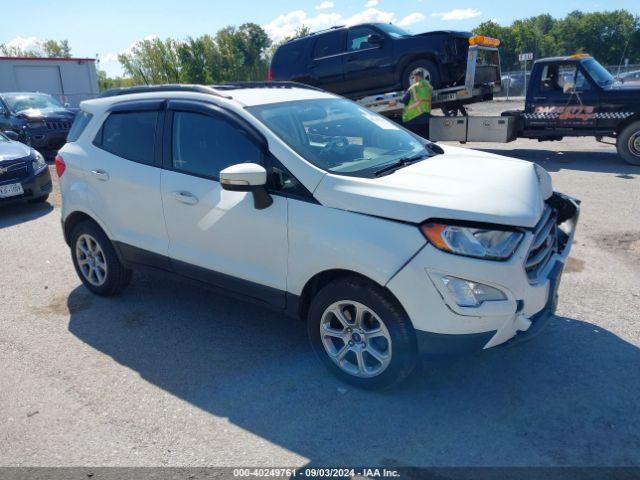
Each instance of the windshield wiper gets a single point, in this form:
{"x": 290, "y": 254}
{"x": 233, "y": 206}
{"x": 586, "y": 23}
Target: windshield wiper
{"x": 401, "y": 162}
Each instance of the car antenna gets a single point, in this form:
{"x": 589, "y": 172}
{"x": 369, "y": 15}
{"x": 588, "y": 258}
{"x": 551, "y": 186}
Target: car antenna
{"x": 623, "y": 54}
{"x": 143, "y": 77}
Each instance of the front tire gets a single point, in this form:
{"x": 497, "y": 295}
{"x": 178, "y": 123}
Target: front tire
{"x": 361, "y": 334}
{"x": 96, "y": 261}
{"x": 628, "y": 143}
{"x": 425, "y": 66}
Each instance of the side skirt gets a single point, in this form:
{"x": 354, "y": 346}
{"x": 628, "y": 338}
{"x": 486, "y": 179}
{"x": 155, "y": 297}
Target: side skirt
{"x": 229, "y": 285}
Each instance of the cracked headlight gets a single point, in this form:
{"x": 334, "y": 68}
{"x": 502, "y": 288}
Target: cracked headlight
{"x": 472, "y": 241}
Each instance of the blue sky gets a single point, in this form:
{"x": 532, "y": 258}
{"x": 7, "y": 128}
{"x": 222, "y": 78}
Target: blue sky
{"x": 111, "y": 27}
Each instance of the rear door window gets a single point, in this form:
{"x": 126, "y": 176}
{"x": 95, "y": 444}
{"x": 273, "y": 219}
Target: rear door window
{"x": 327, "y": 44}
{"x": 130, "y": 135}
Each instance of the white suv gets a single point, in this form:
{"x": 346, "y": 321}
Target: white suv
{"x": 384, "y": 243}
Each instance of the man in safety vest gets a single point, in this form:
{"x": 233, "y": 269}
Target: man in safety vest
{"x": 417, "y": 105}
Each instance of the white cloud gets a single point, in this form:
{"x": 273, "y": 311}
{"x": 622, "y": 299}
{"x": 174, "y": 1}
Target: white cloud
{"x": 410, "y": 19}
{"x": 371, "y": 3}
{"x": 324, "y": 5}
{"x": 459, "y": 14}
{"x": 286, "y": 25}
{"x": 26, "y": 43}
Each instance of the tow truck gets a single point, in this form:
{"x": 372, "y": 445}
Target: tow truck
{"x": 481, "y": 82}
{"x": 569, "y": 96}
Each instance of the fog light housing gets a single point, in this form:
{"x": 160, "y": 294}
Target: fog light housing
{"x": 471, "y": 294}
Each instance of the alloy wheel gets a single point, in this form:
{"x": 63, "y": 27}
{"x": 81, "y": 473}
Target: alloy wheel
{"x": 355, "y": 338}
{"x": 91, "y": 260}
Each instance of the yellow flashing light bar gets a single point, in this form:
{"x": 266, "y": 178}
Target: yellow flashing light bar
{"x": 580, "y": 55}
{"x": 484, "y": 41}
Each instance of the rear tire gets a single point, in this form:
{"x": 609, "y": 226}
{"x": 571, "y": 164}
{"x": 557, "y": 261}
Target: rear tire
{"x": 96, "y": 261}
{"x": 361, "y": 334}
{"x": 426, "y": 65}
{"x": 628, "y": 143}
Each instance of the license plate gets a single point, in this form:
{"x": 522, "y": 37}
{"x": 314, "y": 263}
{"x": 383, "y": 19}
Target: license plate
{"x": 11, "y": 190}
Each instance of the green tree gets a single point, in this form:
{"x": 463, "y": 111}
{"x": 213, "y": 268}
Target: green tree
{"x": 45, "y": 48}
{"x": 152, "y": 61}
{"x": 608, "y": 36}
{"x": 105, "y": 82}
{"x": 56, "y": 49}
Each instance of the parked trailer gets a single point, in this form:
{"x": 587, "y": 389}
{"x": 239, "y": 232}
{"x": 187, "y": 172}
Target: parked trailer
{"x": 572, "y": 96}
{"x": 71, "y": 80}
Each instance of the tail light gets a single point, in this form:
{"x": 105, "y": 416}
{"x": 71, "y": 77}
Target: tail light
{"x": 60, "y": 165}
{"x": 270, "y": 76}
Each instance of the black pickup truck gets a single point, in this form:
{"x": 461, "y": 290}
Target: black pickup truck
{"x": 575, "y": 96}
{"x": 571, "y": 96}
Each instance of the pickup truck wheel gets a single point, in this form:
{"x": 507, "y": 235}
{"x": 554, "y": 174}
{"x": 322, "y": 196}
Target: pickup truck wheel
{"x": 96, "y": 261}
{"x": 427, "y": 66}
{"x": 361, "y": 334}
{"x": 628, "y": 143}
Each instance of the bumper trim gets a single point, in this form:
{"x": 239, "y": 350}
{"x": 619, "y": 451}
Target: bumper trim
{"x": 445, "y": 344}
{"x": 540, "y": 320}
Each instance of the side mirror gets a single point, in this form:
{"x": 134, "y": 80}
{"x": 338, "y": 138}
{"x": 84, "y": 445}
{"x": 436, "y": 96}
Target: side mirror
{"x": 11, "y": 135}
{"x": 375, "y": 39}
{"x": 247, "y": 177}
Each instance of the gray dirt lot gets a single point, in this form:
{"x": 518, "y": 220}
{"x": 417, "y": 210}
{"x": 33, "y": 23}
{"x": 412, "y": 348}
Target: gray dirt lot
{"x": 168, "y": 374}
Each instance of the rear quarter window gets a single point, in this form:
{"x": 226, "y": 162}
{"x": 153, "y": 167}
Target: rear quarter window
{"x": 79, "y": 124}
{"x": 286, "y": 58}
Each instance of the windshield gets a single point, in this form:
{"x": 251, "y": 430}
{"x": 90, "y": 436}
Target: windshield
{"x": 3, "y": 138}
{"x": 338, "y": 135}
{"x": 393, "y": 31}
{"x": 25, "y": 101}
{"x": 599, "y": 74}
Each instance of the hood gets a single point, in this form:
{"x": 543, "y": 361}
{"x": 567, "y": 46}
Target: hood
{"x": 460, "y": 184}
{"x": 46, "y": 114}
{"x": 626, "y": 87}
{"x": 13, "y": 151}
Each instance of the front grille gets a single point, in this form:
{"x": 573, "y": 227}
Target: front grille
{"x": 62, "y": 125}
{"x": 14, "y": 171}
{"x": 545, "y": 244}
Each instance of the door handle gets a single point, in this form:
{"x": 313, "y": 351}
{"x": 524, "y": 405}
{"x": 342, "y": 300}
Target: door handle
{"x": 539, "y": 98}
{"x": 185, "y": 197}
{"x": 100, "y": 175}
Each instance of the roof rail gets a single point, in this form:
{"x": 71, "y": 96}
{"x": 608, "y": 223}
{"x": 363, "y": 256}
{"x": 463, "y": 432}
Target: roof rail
{"x": 264, "y": 84}
{"x": 316, "y": 33}
{"x": 172, "y": 87}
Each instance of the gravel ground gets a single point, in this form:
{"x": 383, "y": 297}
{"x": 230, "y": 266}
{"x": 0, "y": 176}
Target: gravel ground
{"x": 168, "y": 374}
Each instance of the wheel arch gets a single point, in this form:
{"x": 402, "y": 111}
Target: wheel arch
{"x": 627, "y": 121}
{"x": 321, "y": 279}
{"x": 409, "y": 59}
{"x": 74, "y": 219}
